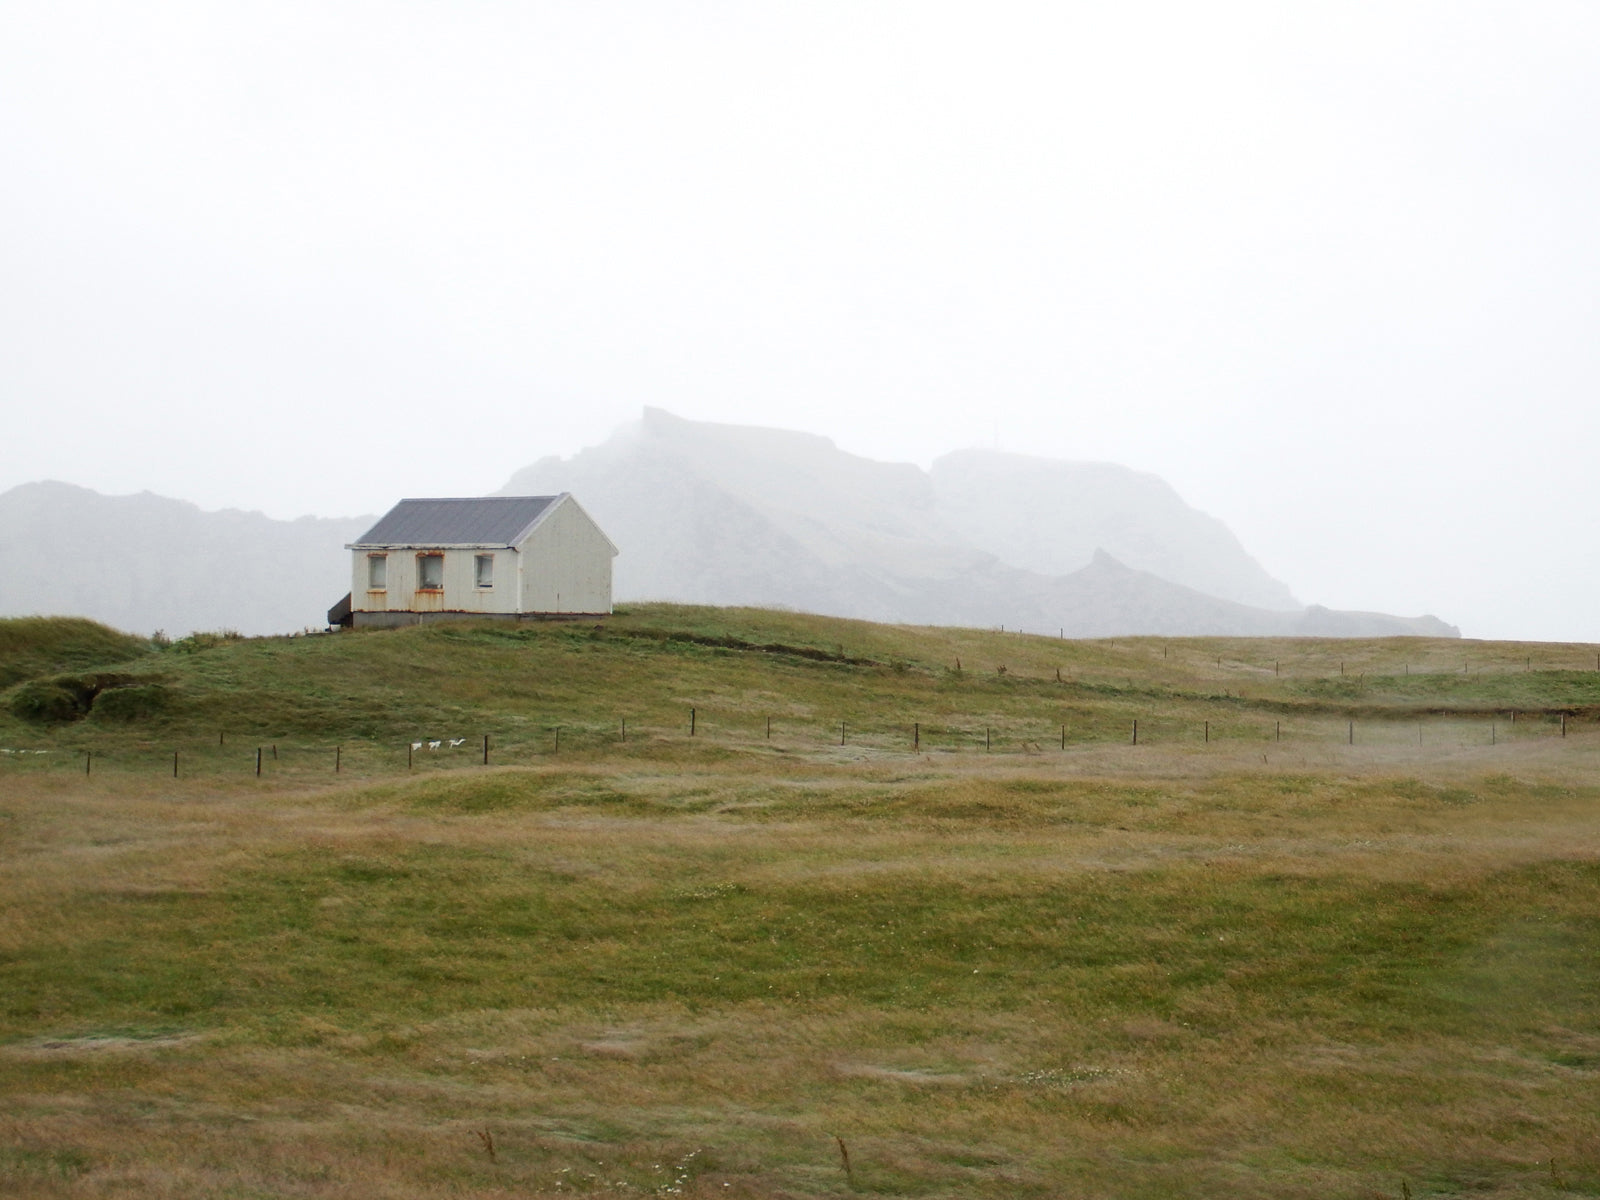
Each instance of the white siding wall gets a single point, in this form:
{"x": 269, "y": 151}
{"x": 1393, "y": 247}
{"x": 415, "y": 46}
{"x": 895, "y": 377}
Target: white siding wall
{"x": 461, "y": 593}
{"x": 566, "y": 564}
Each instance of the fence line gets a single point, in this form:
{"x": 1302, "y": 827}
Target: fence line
{"x": 193, "y": 758}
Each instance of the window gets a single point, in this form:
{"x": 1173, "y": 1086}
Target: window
{"x": 377, "y": 572}
{"x": 483, "y": 570}
{"x": 430, "y": 572}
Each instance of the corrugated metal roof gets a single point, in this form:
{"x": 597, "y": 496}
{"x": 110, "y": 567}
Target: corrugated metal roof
{"x": 469, "y": 521}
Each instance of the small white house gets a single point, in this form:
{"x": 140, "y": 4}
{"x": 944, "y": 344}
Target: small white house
{"x": 488, "y": 556}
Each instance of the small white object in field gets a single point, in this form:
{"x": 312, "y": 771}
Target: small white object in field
{"x": 454, "y": 742}
{"x": 434, "y": 745}
{"x": 416, "y": 745}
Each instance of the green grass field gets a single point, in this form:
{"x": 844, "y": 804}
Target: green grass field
{"x": 1330, "y": 928}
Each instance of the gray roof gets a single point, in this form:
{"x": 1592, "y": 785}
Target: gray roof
{"x": 469, "y": 521}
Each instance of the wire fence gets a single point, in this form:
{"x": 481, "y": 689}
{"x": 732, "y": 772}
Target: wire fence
{"x": 542, "y": 742}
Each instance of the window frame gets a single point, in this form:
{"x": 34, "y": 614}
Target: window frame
{"x": 377, "y": 572}
{"x": 483, "y": 571}
{"x": 423, "y": 556}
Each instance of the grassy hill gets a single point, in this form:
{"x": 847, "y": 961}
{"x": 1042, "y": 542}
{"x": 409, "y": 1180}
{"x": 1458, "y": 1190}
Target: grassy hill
{"x": 34, "y": 646}
{"x": 1330, "y": 927}
{"x": 736, "y": 668}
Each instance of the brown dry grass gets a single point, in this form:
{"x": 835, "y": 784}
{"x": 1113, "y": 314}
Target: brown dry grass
{"x": 1243, "y": 969}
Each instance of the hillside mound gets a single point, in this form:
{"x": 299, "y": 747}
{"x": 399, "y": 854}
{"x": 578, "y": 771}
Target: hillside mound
{"x": 35, "y": 646}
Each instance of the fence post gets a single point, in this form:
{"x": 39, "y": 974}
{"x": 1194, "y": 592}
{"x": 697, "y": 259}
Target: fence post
{"x": 1063, "y": 737}
{"x": 486, "y": 749}
{"x": 988, "y": 738}
{"x": 1563, "y": 724}
{"x": 1277, "y": 732}
{"x": 1136, "y": 732}
{"x": 769, "y": 727}
{"x": 916, "y": 736}
{"x": 558, "y": 739}
{"x": 258, "y": 758}
{"x": 88, "y": 760}
{"x": 174, "y": 764}
{"x": 338, "y": 753}
{"x": 841, "y": 733}
{"x": 691, "y": 722}
{"x": 1352, "y": 733}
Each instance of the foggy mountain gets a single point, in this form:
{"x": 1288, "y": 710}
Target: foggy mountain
{"x": 145, "y": 562}
{"x": 726, "y": 514}
{"x": 1052, "y": 518}
{"x": 718, "y": 514}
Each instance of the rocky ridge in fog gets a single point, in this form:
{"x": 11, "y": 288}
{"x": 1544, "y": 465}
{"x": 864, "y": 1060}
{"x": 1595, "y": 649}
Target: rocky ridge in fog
{"x": 725, "y": 514}
{"x": 147, "y": 562}
{"x": 717, "y": 514}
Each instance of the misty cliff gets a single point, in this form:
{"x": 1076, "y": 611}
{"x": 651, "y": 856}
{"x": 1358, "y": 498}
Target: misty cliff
{"x": 146, "y": 562}
{"x": 1052, "y": 517}
{"x": 718, "y": 514}
{"x": 727, "y": 514}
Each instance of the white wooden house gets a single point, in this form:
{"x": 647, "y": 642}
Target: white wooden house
{"x": 488, "y": 556}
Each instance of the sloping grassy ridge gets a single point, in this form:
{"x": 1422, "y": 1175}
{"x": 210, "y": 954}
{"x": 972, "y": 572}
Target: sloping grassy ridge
{"x": 736, "y": 668}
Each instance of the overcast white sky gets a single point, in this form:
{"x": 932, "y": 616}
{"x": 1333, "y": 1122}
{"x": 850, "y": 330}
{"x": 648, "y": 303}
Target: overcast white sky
{"x": 1330, "y": 269}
